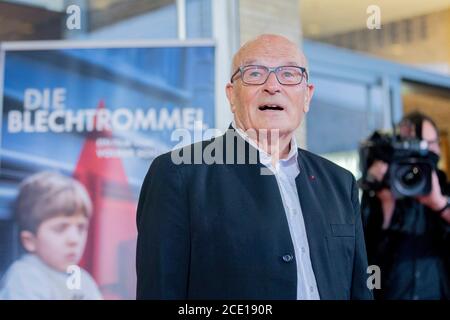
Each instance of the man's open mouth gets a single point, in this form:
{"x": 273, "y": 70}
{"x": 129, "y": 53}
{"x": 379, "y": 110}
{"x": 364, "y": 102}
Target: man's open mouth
{"x": 271, "y": 107}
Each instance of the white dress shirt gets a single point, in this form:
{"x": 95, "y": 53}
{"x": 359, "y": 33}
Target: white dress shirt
{"x": 285, "y": 171}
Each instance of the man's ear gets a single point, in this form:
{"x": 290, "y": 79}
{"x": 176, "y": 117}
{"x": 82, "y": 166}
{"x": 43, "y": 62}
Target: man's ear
{"x": 229, "y": 89}
{"x": 308, "y": 96}
{"x": 28, "y": 240}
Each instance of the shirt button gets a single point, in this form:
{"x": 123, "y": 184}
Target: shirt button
{"x": 417, "y": 274}
{"x": 416, "y": 297}
{"x": 303, "y": 250}
{"x": 311, "y": 289}
{"x": 288, "y": 258}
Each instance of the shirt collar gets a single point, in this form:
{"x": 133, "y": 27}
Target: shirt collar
{"x": 264, "y": 157}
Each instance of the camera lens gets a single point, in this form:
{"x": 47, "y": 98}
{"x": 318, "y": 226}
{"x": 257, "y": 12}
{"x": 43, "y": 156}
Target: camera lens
{"x": 411, "y": 176}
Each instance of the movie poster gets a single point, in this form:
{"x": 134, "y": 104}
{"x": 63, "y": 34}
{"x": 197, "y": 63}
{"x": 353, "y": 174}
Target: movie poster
{"x": 80, "y": 127}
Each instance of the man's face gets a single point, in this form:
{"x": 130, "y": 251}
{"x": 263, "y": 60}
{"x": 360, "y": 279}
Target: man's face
{"x": 429, "y": 135}
{"x": 59, "y": 241}
{"x": 247, "y": 101}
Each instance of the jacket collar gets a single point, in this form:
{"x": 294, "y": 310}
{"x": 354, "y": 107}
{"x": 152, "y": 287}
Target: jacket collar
{"x": 264, "y": 157}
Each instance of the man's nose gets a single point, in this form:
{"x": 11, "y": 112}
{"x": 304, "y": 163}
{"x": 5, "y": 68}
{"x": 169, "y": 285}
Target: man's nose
{"x": 272, "y": 85}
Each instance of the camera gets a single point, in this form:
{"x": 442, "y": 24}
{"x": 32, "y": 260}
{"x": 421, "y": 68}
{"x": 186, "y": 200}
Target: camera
{"x": 410, "y": 162}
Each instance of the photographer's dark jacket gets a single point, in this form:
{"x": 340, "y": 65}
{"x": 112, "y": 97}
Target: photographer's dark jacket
{"x": 219, "y": 231}
{"x": 413, "y": 253}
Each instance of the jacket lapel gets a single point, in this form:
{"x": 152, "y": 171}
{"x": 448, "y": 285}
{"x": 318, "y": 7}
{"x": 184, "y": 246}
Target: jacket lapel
{"x": 253, "y": 175}
{"x": 311, "y": 195}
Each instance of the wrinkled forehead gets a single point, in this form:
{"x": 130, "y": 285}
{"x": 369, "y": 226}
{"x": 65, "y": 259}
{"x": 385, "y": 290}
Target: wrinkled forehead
{"x": 270, "y": 54}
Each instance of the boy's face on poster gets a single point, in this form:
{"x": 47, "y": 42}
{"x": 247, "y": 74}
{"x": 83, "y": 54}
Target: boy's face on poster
{"x": 58, "y": 241}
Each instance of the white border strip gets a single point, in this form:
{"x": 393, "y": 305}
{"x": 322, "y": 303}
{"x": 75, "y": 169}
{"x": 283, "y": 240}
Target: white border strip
{"x": 181, "y": 19}
{"x": 2, "y": 74}
{"x": 225, "y": 28}
{"x": 91, "y": 44}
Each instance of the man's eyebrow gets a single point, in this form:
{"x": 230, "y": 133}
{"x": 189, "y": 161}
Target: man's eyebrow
{"x": 293, "y": 63}
{"x": 249, "y": 62}
{"x": 253, "y": 61}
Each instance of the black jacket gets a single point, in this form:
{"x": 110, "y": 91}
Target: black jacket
{"x": 219, "y": 231}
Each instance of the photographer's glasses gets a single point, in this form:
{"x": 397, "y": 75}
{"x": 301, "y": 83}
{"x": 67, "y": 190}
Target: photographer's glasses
{"x": 258, "y": 75}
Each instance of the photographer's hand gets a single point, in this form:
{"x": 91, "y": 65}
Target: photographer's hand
{"x": 435, "y": 200}
{"x": 378, "y": 170}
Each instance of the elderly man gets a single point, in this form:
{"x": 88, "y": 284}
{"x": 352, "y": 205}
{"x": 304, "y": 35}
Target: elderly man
{"x": 230, "y": 230}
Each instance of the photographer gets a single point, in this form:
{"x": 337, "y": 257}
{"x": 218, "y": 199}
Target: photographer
{"x": 408, "y": 237}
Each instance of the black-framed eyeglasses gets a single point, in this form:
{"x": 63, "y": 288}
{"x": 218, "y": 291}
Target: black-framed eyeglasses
{"x": 258, "y": 75}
